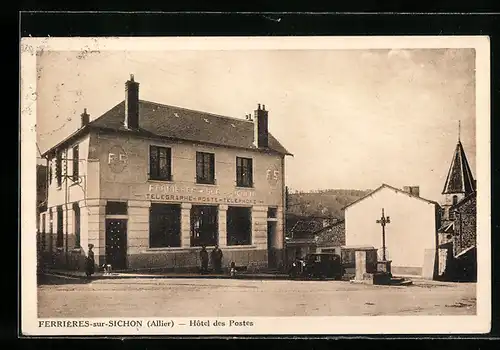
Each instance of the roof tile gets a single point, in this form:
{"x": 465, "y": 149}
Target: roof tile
{"x": 164, "y": 121}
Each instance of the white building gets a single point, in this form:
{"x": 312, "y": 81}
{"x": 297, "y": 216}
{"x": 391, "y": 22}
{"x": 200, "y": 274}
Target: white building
{"x": 411, "y": 234}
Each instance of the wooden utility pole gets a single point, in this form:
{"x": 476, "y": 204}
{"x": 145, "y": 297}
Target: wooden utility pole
{"x": 384, "y": 220}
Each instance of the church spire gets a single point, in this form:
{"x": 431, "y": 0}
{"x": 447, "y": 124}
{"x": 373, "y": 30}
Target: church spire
{"x": 459, "y": 179}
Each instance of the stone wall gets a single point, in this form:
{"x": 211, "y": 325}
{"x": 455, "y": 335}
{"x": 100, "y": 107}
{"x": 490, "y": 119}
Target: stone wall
{"x": 465, "y": 225}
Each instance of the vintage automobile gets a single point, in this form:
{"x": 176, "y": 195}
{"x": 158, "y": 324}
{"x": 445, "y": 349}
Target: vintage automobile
{"x": 318, "y": 265}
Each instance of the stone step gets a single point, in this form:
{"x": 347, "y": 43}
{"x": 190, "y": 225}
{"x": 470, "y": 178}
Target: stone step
{"x": 397, "y": 279}
{"x": 401, "y": 281}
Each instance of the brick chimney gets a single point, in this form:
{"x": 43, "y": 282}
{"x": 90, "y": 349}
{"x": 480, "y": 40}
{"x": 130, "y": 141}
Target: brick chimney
{"x": 85, "y": 117}
{"x": 261, "y": 134}
{"x": 131, "y": 104}
{"x": 413, "y": 190}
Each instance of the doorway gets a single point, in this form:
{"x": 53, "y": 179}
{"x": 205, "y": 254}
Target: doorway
{"x": 116, "y": 243}
{"x": 272, "y": 260}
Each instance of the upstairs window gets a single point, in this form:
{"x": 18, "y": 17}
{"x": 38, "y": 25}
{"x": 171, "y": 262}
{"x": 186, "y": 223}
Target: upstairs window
{"x": 50, "y": 171}
{"x": 244, "y": 172}
{"x": 75, "y": 163}
{"x": 160, "y": 163}
{"x": 205, "y": 168}
{"x": 451, "y": 214}
{"x": 59, "y": 169}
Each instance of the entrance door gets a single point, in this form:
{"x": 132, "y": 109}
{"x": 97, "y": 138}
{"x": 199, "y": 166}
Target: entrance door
{"x": 116, "y": 243}
{"x": 271, "y": 251}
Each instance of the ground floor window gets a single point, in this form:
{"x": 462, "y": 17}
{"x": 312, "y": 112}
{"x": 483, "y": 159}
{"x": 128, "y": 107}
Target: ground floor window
{"x": 60, "y": 234}
{"x": 164, "y": 225}
{"x": 239, "y": 226}
{"x": 43, "y": 232}
{"x": 204, "y": 225}
{"x": 51, "y": 228}
{"x": 76, "y": 223}
{"x": 116, "y": 208}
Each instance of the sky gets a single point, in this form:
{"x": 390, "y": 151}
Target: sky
{"x": 352, "y": 119}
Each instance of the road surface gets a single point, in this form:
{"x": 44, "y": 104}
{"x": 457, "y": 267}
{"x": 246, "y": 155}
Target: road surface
{"x": 58, "y": 297}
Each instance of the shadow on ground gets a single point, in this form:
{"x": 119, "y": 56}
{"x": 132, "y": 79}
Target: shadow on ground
{"x": 43, "y": 279}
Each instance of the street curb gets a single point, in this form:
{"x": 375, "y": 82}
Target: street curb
{"x": 138, "y": 276}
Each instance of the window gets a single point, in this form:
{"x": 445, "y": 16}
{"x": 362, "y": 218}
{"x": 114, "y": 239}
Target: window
{"x": 76, "y": 213}
{"x": 50, "y": 171}
{"x": 59, "y": 168}
{"x": 244, "y": 172}
{"x": 205, "y": 168}
{"x": 204, "y": 225}
{"x": 455, "y": 199}
{"x": 42, "y": 228}
{"x": 164, "y": 225}
{"x": 43, "y": 231}
{"x": 272, "y": 213}
{"x": 239, "y": 226}
{"x": 60, "y": 237}
{"x": 51, "y": 228}
{"x": 116, "y": 208}
{"x": 75, "y": 163}
{"x": 160, "y": 163}
{"x": 451, "y": 214}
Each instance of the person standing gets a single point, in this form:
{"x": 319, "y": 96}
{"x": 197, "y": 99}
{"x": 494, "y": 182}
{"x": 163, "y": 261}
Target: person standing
{"x": 216, "y": 256}
{"x": 204, "y": 259}
{"x": 90, "y": 262}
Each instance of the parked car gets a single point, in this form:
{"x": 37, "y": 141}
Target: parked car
{"x": 317, "y": 265}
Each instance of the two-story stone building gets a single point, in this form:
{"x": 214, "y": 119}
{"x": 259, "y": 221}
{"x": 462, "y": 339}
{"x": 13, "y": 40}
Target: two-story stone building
{"x": 149, "y": 184}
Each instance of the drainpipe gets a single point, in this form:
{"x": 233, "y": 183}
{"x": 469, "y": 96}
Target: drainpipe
{"x": 284, "y": 254}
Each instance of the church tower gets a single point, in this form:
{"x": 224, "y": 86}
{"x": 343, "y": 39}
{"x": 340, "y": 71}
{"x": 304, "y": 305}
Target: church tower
{"x": 459, "y": 182}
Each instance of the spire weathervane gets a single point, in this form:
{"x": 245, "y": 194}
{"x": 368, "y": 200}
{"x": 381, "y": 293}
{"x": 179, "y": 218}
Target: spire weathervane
{"x": 459, "y": 131}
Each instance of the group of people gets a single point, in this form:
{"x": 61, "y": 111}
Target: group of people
{"x": 215, "y": 256}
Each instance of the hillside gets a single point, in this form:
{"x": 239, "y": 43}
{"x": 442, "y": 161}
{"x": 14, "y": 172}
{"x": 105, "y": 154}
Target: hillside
{"x": 322, "y": 202}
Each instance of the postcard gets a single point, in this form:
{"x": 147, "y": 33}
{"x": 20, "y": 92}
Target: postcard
{"x": 255, "y": 185}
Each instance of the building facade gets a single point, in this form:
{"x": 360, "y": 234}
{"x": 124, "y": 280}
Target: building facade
{"x": 410, "y": 237}
{"x": 458, "y": 227}
{"x": 464, "y": 214}
{"x": 459, "y": 182}
{"x": 150, "y": 184}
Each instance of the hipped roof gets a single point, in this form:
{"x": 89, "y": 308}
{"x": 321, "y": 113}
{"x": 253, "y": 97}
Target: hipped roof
{"x": 177, "y": 123}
